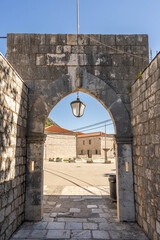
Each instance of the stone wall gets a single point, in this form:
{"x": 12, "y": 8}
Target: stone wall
{"x": 103, "y": 66}
{"x": 145, "y": 105}
{"x": 13, "y": 115}
{"x": 60, "y": 145}
{"x": 40, "y": 59}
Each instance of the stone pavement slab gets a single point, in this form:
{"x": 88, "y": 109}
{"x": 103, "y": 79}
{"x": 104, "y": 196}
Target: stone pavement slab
{"x": 58, "y": 234}
{"x": 73, "y": 226}
{"x": 81, "y": 234}
{"x": 79, "y": 213}
{"x": 55, "y": 225}
{"x": 100, "y": 234}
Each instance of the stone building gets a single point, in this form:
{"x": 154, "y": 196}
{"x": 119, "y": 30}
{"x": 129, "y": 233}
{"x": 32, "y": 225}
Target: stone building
{"x": 92, "y": 145}
{"x": 60, "y": 143}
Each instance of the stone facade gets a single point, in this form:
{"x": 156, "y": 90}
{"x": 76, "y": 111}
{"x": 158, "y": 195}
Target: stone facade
{"x": 48, "y": 57}
{"x": 60, "y": 145}
{"x": 13, "y": 123}
{"x": 145, "y": 105}
{"x": 92, "y": 145}
{"x": 55, "y": 65}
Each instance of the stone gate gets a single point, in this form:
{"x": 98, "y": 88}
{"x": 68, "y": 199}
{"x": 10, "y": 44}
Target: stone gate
{"x": 55, "y": 65}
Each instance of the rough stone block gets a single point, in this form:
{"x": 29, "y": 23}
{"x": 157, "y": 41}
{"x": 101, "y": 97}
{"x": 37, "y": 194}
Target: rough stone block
{"x": 153, "y": 66}
{"x": 126, "y": 40}
{"x": 71, "y": 39}
{"x": 108, "y": 40}
{"x": 51, "y": 39}
{"x": 2, "y": 214}
{"x": 94, "y": 39}
{"x": 67, "y": 49}
{"x": 83, "y": 39}
{"x": 40, "y": 59}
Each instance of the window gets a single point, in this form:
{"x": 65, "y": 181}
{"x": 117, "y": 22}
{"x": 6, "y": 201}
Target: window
{"x": 96, "y": 151}
{"x": 83, "y": 142}
{"x": 81, "y": 151}
{"x": 89, "y": 141}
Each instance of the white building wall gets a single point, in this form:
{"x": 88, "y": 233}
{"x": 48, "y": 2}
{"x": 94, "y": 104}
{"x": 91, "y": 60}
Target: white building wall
{"x": 60, "y": 145}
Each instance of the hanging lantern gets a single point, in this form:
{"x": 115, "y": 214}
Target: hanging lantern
{"x": 78, "y": 107}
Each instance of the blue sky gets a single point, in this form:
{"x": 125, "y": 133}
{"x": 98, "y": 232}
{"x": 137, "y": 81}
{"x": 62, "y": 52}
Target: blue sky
{"x": 94, "y": 113}
{"x": 96, "y": 16}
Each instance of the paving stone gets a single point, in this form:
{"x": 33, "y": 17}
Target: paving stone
{"x": 97, "y": 220}
{"x": 100, "y": 234}
{"x": 55, "y": 225}
{"x": 91, "y": 206}
{"x": 22, "y": 234}
{"x": 115, "y": 234}
{"x": 81, "y": 234}
{"x": 40, "y": 225}
{"x": 72, "y": 220}
{"x": 90, "y": 226}
{"x": 112, "y": 226}
{"x": 73, "y": 226}
{"x": 58, "y": 234}
{"x": 133, "y": 235}
{"x": 38, "y": 234}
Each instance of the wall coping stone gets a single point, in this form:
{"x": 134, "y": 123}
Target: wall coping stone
{"x": 147, "y": 67}
{"x": 13, "y": 69}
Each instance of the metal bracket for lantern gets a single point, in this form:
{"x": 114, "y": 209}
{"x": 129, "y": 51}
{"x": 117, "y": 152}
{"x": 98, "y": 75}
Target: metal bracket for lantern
{"x": 78, "y": 107}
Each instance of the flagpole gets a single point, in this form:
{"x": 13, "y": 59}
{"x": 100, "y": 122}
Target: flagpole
{"x": 77, "y": 17}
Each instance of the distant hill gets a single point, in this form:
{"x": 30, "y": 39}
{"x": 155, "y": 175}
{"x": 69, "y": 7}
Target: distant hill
{"x": 50, "y": 122}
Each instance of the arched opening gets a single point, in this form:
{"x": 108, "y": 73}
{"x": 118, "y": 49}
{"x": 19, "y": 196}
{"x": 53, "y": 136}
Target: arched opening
{"x": 41, "y": 105}
{"x": 79, "y": 155}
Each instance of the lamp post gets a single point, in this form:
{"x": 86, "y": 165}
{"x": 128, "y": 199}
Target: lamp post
{"x": 78, "y": 107}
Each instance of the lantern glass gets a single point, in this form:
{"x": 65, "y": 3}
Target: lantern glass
{"x": 82, "y": 109}
{"x": 78, "y": 108}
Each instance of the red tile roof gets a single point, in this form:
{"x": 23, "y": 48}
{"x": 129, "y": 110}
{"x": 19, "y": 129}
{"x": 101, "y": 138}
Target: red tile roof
{"x": 57, "y": 129}
{"x": 94, "y": 134}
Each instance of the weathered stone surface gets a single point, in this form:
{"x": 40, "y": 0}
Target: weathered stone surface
{"x": 146, "y": 149}
{"x": 81, "y": 234}
{"x": 73, "y": 226}
{"x": 13, "y": 112}
{"x": 58, "y": 234}
{"x": 55, "y": 225}
{"x": 100, "y": 234}
{"x": 87, "y": 67}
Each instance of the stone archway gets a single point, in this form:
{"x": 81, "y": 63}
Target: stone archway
{"x": 42, "y": 102}
{"x": 54, "y": 65}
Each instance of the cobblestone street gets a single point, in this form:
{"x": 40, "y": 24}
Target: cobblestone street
{"x": 78, "y": 211}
